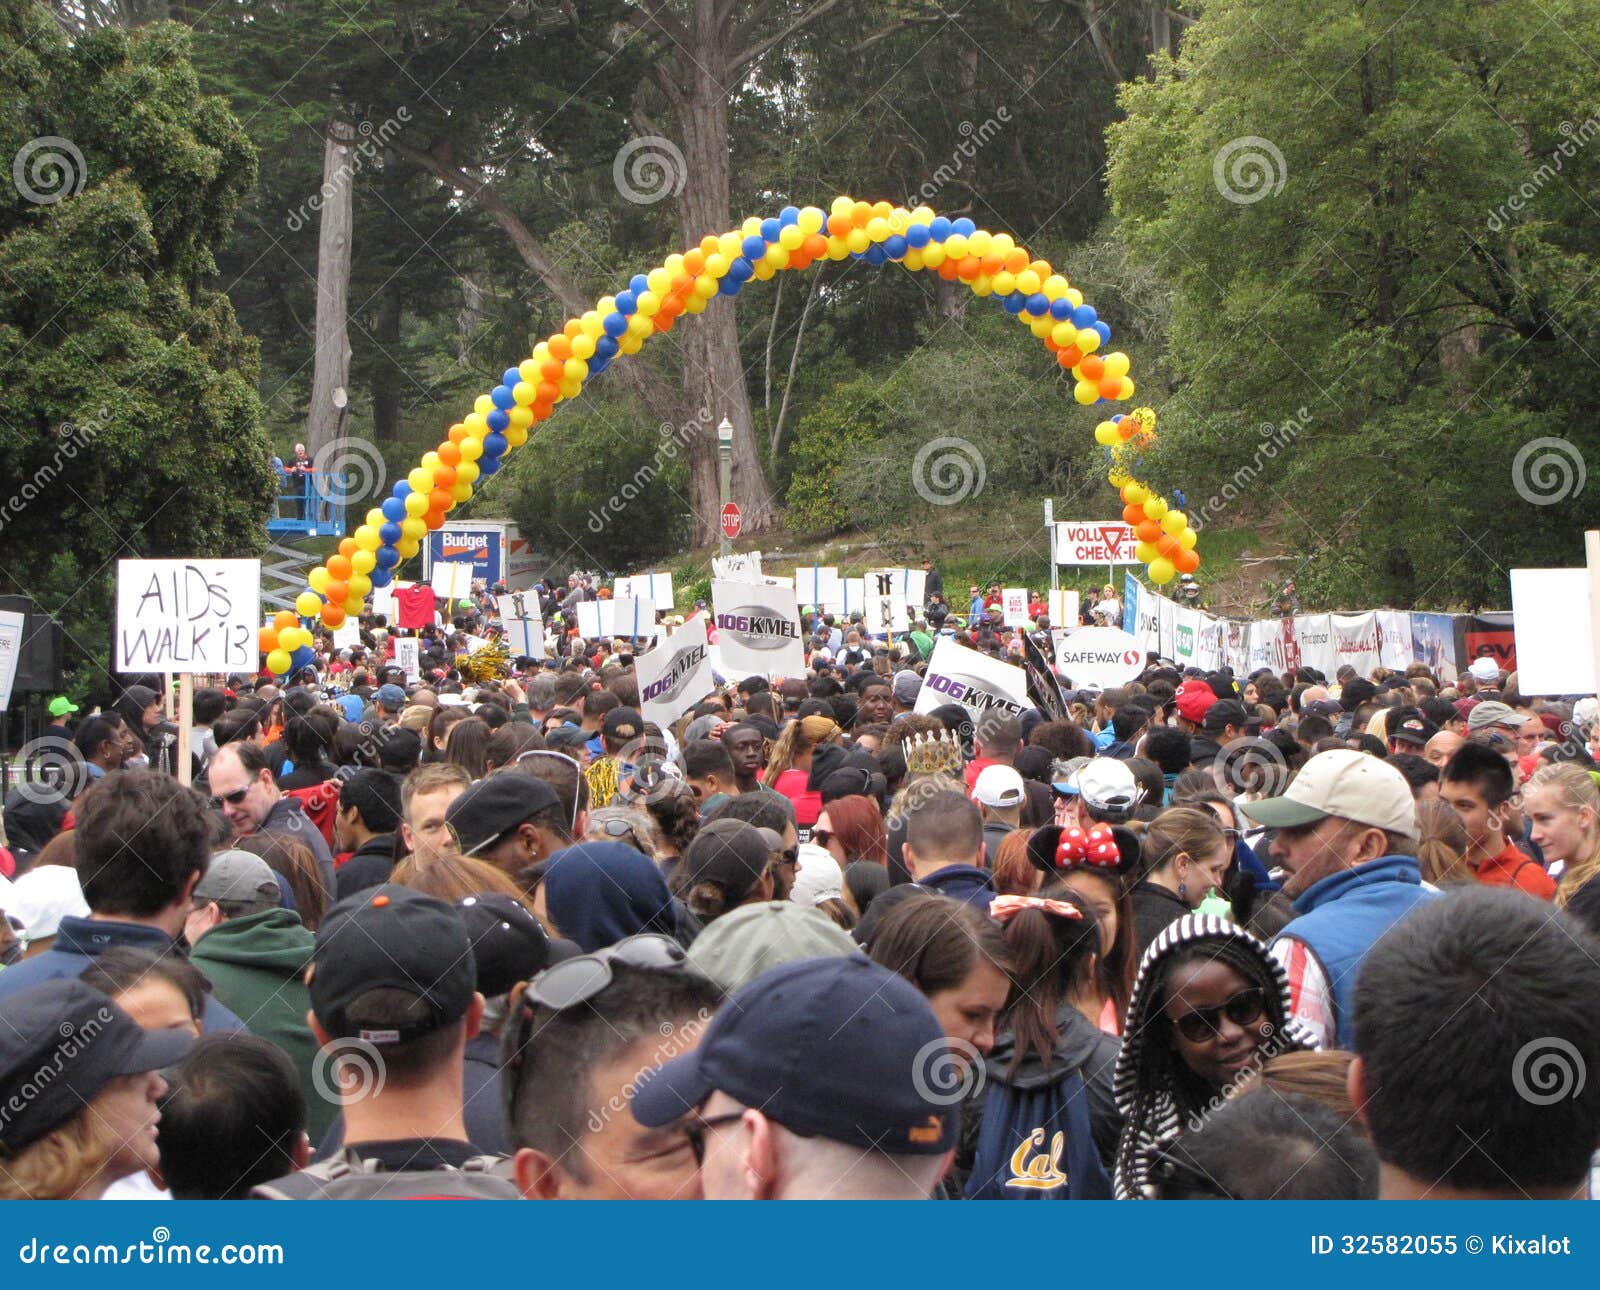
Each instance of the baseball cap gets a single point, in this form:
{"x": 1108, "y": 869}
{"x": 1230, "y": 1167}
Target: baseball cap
{"x": 1108, "y": 789}
{"x": 999, "y": 786}
{"x": 729, "y": 853}
{"x": 390, "y": 695}
{"x": 1343, "y": 783}
{"x": 1223, "y": 713}
{"x": 239, "y": 876}
{"x": 1324, "y": 708}
{"x": 623, "y": 724}
{"x": 508, "y": 943}
{"x": 391, "y": 937}
{"x": 817, "y": 876}
{"x": 906, "y": 686}
{"x": 61, "y": 705}
{"x": 742, "y": 944}
{"x": 1409, "y": 726}
{"x": 1485, "y": 669}
{"x": 43, "y": 896}
{"x": 494, "y": 806}
{"x": 1063, "y": 774}
{"x": 1492, "y": 713}
{"x": 835, "y": 1048}
{"x": 85, "y": 1041}
{"x": 1193, "y": 699}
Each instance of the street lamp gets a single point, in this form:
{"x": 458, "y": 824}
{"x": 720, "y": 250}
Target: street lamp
{"x": 724, "y": 478}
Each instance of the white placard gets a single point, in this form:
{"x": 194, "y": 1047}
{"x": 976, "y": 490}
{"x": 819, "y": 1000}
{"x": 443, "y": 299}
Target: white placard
{"x": 1014, "y": 606}
{"x": 758, "y": 629}
{"x": 977, "y": 682}
{"x": 741, "y": 566}
{"x": 675, "y": 675}
{"x": 1098, "y": 657}
{"x": 1555, "y": 642}
{"x": 519, "y": 615}
{"x": 885, "y": 615}
{"x": 817, "y": 585}
{"x": 1394, "y": 639}
{"x": 186, "y": 616}
{"x": 655, "y": 587}
{"x": 909, "y": 586}
{"x": 849, "y": 597}
{"x": 1095, "y": 542}
{"x": 347, "y": 635}
{"x": 452, "y": 579}
{"x": 383, "y": 602}
{"x": 408, "y": 656}
{"x": 10, "y": 649}
{"x": 630, "y": 616}
{"x": 1064, "y": 609}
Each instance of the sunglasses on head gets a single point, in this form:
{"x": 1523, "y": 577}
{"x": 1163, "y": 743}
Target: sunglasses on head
{"x": 1201, "y": 1025}
{"x": 559, "y": 756}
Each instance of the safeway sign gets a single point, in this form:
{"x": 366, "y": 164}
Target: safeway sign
{"x": 1091, "y": 542}
{"x": 1098, "y": 657}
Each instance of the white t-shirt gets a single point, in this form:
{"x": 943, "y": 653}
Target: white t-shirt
{"x": 1108, "y": 612}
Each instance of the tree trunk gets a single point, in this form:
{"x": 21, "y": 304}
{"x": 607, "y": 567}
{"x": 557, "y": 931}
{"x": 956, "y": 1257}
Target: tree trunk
{"x": 713, "y": 378}
{"x": 331, "y": 371}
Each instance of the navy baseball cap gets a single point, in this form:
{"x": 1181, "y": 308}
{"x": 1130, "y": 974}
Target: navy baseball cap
{"x": 390, "y": 695}
{"x": 835, "y": 1048}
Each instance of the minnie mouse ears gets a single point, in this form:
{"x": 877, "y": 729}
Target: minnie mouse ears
{"x": 1107, "y": 848}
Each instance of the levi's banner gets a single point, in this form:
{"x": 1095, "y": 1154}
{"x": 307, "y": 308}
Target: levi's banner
{"x": 977, "y": 682}
{"x": 1094, "y": 542}
{"x": 1098, "y": 657}
{"x": 675, "y": 675}
{"x": 758, "y": 629}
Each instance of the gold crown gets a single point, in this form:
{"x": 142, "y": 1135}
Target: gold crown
{"x": 934, "y": 754}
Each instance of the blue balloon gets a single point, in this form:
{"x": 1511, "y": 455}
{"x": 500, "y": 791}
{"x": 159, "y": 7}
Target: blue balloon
{"x": 605, "y": 347}
{"x": 394, "y": 509}
{"x": 740, "y": 270}
{"x": 302, "y": 658}
{"x": 512, "y": 376}
{"x": 895, "y": 246}
{"x": 875, "y": 255}
{"x": 498, "y": 420}
{"x": 598, "y": 364}
{"x": 382, "y": 577}
{"x": 1037, "y": 305}
{"x": 754, "y": 247}
{"x": 769, "y": 229}
{"x": 1084, "y": 316}
{"x": 789, "y": 215}
{"x": 1014, "y": 303}
{"x": 964, "y": 226}
{"x": 1105, "y": 332}
{"x": 615, "y": 324}
{"x": 939, "y": 228}
{"x": 488, "y": 465}
{"x": 729, "y": 286}
{"x": 627, "y": 302}
{"x": 917, "y": 235}
{"x": 402, "y": 490}
{"x": 494, "y": 445}
{"x": 386, "y": 556}
{"x": 1061, "y": 309}
{"x": 638, "y": 284}
{"x": 501, "y": 394}
{"x": 391, "y": 532}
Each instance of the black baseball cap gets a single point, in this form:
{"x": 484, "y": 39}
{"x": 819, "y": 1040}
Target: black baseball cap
{"x": 61, "y": 1043}
{"x": 508, "y": 942}
{"x": 622, "y": 724}
{"x": 1224, "y": 712}
{"x": 1408, "y": 725}
{"x": 837, "y": 1048}
{"x": 729, "y": 853}
{"x": 494, "y": 806}
{"x": 391, "y": 937}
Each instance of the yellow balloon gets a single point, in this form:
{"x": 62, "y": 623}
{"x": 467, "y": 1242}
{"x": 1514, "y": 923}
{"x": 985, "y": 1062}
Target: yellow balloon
{"x": 1155, "y": 508}
{"x": 1173, "y": 522}
{"x": 1086, "y": 392}
{"x": 421, "y": 481}
{"x": 476, "y": 426}
{"x": 857, "y": 240}
{"x": 1126, "y": 392}
{"x": 483, "y": 405}
{"x": 307, "y": 604}
{"x": 955, "y": 246}
{"x": 650, "y": 302}
{"x": 413, "y": 527}
{"x": 810, "y": 221}
{"x": 790, "y": 237}
{"x": 933, "y": 255}
{"x": 1004, "y": 283}
{"x": 1116, "y": 363}
{"x": 278, "y": 662}
{"x": 1106, "y": 433}
{"x": 471, "y": 450}
{"x": 524, "y": 393}
{"x": 1088, "y": 340}
{"x": 1187, "y": 539}
{"x": 408, "y": 547}
{"x": 591, "y": 324}
{"x": 1161, "y": 570}
{"x": 528, "y": 368}
{"x": 575, "y": 369}
{"x": 319, "y": 578}
{"x": 461, "y": 492}
{"x": 1028, "y": 282}
{"x": 582, "y": 347}
{"x": 364, "y": 561}
{"x": 375, "y": 519}
{"x": 358, "y": 585}
{"x": 467, "y": 471}
{"x": 515, "y": 436}
{"x": 366, "y": 537}
{"x": 417, "y": 503}
{"x": 1145, "y": 552}
{"x": 1135, "y": 494}
{"x": 980, "y": 243}
{"x": 632, "y": 344}
{"x": 705, "y": 286}
{"x": 1054, "y": 287}
{"x": 1064, "y": 334}
{"x": 522, "y": 418}
{"x": 878, "y": 228}
{"x": 716, "y": 265}
{"x": 430, "y": 461}
{"x": 642, "y": 327}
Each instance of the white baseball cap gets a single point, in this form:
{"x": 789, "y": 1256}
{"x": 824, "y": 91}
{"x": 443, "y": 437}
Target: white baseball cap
{"x": 999, "y": 786}
{"x": 1484, "y": 669}
{"x": 1344, "y": 783}
{"x": 43, "y": 896}
{"x": 1107, "y": 788}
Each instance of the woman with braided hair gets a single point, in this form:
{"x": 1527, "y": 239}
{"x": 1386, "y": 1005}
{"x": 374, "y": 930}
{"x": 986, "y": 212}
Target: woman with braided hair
{"x": 1209, "y": 1006}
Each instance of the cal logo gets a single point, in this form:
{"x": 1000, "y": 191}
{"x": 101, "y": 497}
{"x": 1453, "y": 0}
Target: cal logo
{"x": 1034, "y": 1169}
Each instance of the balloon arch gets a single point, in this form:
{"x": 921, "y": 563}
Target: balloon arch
{"x": 991, "y": 264}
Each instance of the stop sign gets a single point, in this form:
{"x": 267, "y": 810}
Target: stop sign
{"x": 732, "y": 520}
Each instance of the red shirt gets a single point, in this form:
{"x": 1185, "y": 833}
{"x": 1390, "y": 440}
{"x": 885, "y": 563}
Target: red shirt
{"x": 1511, "y": 868}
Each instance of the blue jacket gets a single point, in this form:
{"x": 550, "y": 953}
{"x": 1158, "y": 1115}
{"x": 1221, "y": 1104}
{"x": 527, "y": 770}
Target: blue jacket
{"x": 962, "y": 882}
{"x": 81, "y": 940}
{"x": 1345, "y": 915}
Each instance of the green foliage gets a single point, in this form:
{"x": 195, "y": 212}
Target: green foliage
{"x": 129, "y": 418}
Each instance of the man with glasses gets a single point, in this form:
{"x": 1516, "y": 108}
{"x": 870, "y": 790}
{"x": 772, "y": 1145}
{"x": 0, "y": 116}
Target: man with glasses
{"x": 773, "y": 813}
{"x": 811, "y": 1083}
{"x": 509, "y": 820}
{"x": 243, "y": 789}
{"x": 586, "y": 1032}
{"x": 1346, "y": 837}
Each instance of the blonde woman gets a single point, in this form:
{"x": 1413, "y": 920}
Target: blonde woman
{"x": 789, "y": 766}
{"x": 1562, "y": 806}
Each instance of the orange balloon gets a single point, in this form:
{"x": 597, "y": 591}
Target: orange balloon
{"x": 449, "y": 454}
{"x": 440, "y": 500}
{"x": 1016, "y": 260}
{"x": 1148, "y": 530}
{"x": 1133, "y": 515}
{"x": 541, "y": 409}
{"x": 285, "y": 618}
{"x": 560, "y": 348}
{"x": 332, "y": 614}
{"x": 839, "y": 225}
{"x": 338, "y": 570}
{"x": 992, "y": 264}
{"x": 664, "y": 320}
{"x": 458, "y": 432}
{"x": 1093, "y": 367}
{"x": 694, "y": 262}
{"x": 815, "y": 246}
{"x": 433, "y": 519}
{"x": 572, "y": 327}
{"x": 337, "y": 592}
{"x": 347, "y": 548}
{"x": 1064, "y": 353}
{"x": 443, "y": 477}
{"x": 969, "y": 268}
{"x": 1071, "y": 356}
{"x": 1168, "y": 546}
{"x": 799, "y": 260}
{"x": 1126, "y": 428}
{"x": 1050, "y": 344}
{"x": 709, "y": 244}
{"x": 1186, "y": 561}
{"x": 1110, "y": 387}
{"x": 947, "y": 270}
{"x": 268, "y": 639}
{"x": 547, "y": 392}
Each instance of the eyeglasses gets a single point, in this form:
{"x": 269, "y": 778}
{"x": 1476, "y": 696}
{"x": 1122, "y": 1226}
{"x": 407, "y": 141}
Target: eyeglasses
{"x": 559, "y": 756}
{"x": 1201, "y": 1026}
{"x": 697, "y": 1126}
{"x": 232, "y": 799}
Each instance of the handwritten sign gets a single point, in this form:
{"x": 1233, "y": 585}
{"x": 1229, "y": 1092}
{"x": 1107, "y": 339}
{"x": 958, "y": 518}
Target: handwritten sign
{"x": 186, "y": 616}
{"x": 408, "y": 656}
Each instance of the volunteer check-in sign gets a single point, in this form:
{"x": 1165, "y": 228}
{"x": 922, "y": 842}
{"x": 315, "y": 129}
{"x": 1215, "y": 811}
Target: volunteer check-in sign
{"x": 1094, "y": 542}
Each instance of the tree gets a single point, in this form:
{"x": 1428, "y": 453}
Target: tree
{"x": 127, "y": 389}
{"x": 1377, "y": 223}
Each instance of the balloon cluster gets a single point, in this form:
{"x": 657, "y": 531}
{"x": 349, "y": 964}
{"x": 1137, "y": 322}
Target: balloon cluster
{"x": 286, "y": 644}
{"x": 991, "y": 264}
{"x": 1166, "y": 539}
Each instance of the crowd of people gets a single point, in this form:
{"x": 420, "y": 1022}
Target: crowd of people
{"x": 497, "y": 935}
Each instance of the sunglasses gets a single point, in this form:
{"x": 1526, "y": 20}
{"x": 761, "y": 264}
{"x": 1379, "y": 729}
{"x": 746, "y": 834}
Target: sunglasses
{"x": 1201, "y": 1026}
{"x": 234, "y": 798}
{"x": 621, "y": 829}
{"x": 576, "y": 981}
{"x": 559, "y": 756}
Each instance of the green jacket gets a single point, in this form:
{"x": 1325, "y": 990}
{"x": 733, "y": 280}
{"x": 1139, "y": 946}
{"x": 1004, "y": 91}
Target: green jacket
{"x": 256, "y": 966}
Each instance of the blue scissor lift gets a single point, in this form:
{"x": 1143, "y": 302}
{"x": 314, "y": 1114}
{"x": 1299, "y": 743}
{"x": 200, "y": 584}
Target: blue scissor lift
{"x": 309, "y": 504}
